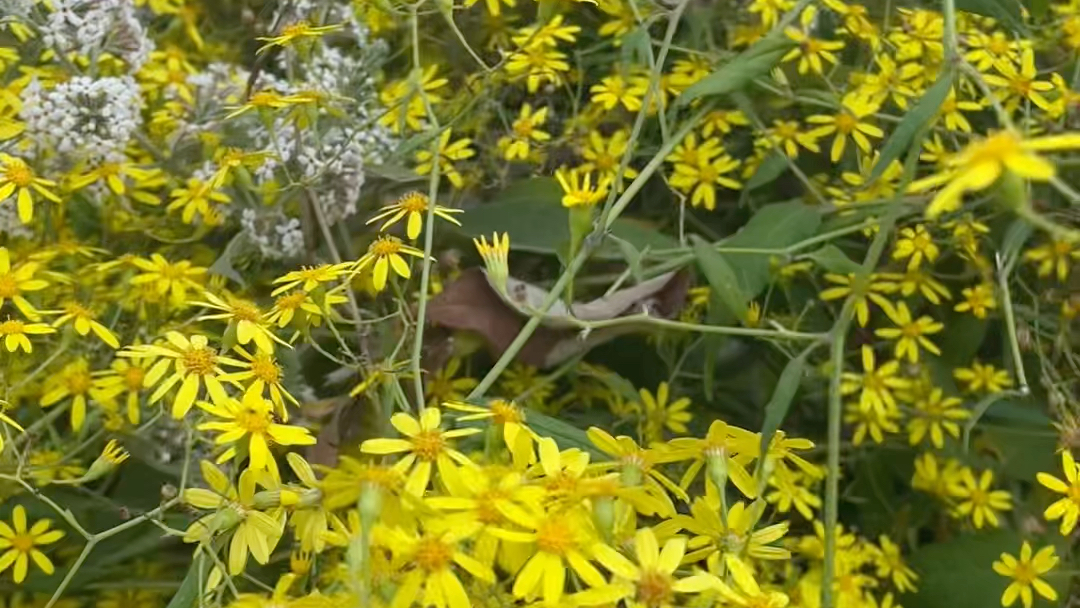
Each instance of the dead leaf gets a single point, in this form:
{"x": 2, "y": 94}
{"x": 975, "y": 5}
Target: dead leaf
{"x": 471, "y": 304}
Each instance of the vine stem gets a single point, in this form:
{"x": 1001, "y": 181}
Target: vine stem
{"x": 836, "y": 359}
{"x": 429, "y": 229}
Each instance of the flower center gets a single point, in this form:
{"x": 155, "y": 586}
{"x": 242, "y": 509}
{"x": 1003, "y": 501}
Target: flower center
{"x": 253, "y": 420}
{"x": 199, "y": 360}
{"x": 486, "y": 510}
{"x": 504, "y": 412}
{"x": 995, "y": 148}
{"x": 133, "y": 378}
{"x": 428, "y": 445}
{"x": 433, "y": 555}
{"x": 19, "y": 174}
{"x": 654, "y": 588}
{"x": 79, "y": 382}
{"x": 266, "y": 369}
{"x": 22, "y": 543}
{"x": 11, "y": 327}
{"x": 413, "y": 202}
{"x": 845, "y": 123}
{"x": 9, "y": 287}
{"x": 291, "y": 301}
{"x": 385, "y": 247}
{"x": 245, "y": 311}
{"x": 1024, "y": 573}
{"x": 172, "y": 272}
{"x": 554, "y": 536}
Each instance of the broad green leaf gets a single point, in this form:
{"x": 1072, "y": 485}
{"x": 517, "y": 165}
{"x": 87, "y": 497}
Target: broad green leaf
{"x": 913, "y": 122}
{"x": 223, "y": 266}
{"x": 961, "y": 339}
{"x": 721, "y": 277}
{"x": 566, "y": 435}
{"x": 530, "y": 211}
{"x": 772, "y": 227}
{"x": 187, "y": 596}
{"x": 1018, "y": 233}
{"x": 1037, "y": 8}
{"x": 1024, "y": 450}
{"x": 740, "y": 71}
{"x": 771, "y": 168}
{"x": 635, "y": 47}
{"x": 1007, "y": 12}
{"x": 784, "y": 392}
{"x": 832, "y": 259}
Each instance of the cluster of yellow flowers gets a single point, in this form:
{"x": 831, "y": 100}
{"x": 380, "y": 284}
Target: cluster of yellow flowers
{"x": 233, "y": 285}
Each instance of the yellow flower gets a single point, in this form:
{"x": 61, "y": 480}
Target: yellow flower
{"x": 863, "y": 289}
{"x": 872, "y": 421}
{"x": 21, "y": 544}
{"x": 496, "y": 256}
{"x": 920, "y": 281}
{"x": 849, "y": 123}
{"x": 738, "y": 447}
{"x": 244, "y": 318}
{"x": 1066, "y": 508}
{"x": 405, "y": 99}
{"x": 811, "y": 52}
{"x": 605, "y": 155}
{"x": 77, "y": 383}
{"x": 976, "y": 499}
{"x": 890, "y": 564}
{"x": 748, "y": 593}
{"x": 195, "y": 364}
{"x": 427, "y": 444}
{"x": 978, "y": 300}
{"x": 309, "y": 277}
{"x": 713, "y": 535}
{"x": 910, "y": 334}
{"x": 1025, "y": 574}
{"x": 234, "y": 510}
{"x": 83, "y": 320}
{"x": 8, "y": 420}
{"x": 636, "y": 461}
{"x": 508, "y": 418}
{"x": 701, "y": 179}
{"x": 430, "y": 560}
{"x": 578, "y": 189}
{"x": 935, "y": 478}
{"x": 786, "y": 135}
{"x": 770, "y": 10}
{"x": 524, "y": 130}
{"x": 413, "y": 206}
{"x": 384, "y": 254}
{"x": 876, "y": 384}
{"x": 251, "y": 418}
{"x": 615, "y": 90}
{"x": 125, "y": 376}
{"x": 985, "y": 50}
{"x": 791, "y": 490}
{"x": 537, "y": 64}
{"x": 983, "y": 161}
{"x": 983, "y": 378}
{"x": 112, "y": 456}
{"x": 658, "y": 414}
{"x": 934, "y": 416}
{"x": 261, "y": 371}
{"x": 299, "y": 31}
{"x": 196, "y": 197}
{"x": 950, "y": 112}
{"x": 653, "y": 576}
{"x": 1020, "y": 85}
{"x": 915, "y": 245}
{"x": 15, "y": 332}
{"x": 1055, "y": 257}
{"x": 17, "y": 280}
{"x": 446, "y": 385}
{"x": 167, "y": 278}
{"x": 560, "y": 540}
{"x": 266, "y": 101}
{"x": 448, "y": 153}
{"x": 16, "y": 177}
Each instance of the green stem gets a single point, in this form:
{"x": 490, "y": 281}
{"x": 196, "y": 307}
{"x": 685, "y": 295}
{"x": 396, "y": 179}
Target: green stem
{"x": 1010, "y": 325}
{"x": 751, "y": 332}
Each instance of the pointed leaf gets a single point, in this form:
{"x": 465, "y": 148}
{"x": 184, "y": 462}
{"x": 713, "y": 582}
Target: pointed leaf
{"x": 914, "y": 121}
{"x": 786, "y": 387}
{"x": 721, "y": 277}
{"x": 739, "y": 72}
{"x": 832, "y": 259}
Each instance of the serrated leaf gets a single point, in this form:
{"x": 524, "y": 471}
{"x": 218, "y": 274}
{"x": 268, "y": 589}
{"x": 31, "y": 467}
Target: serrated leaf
{"x": 771, "y": 168}
{"x": 736, "y": 74}
{"x": 783, "y": 394}
{"x": 722, "y": 280}
{"x": 913, "y": 122}
{"x": 832, "y": 259}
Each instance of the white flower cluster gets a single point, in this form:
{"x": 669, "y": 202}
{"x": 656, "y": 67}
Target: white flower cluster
{"x": 335, "y": 170}
{"x": 277, "y": 237}
{"x": 83, "y": 118}
{"x": 18, "y": 9}
{"x": 90, "y": 27}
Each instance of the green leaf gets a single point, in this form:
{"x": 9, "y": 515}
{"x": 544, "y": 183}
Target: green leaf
{"x": 913, "y": 122}
{"x": 963, "y": 337}
{"x": 395, "y": 173}
{"x": 1007, "y": 12}
{"x": 187, "y": 596}
{"x": 739, "y": 72}
{"x": 721, "y": 277}
{"x": 832, "y": 259}
{"x": 635, "y": 47}
{"x": 566, "y": 435}
{"x": 772, "y": 227}
{"x": 772, "y": 167}
{"x": 1018, "y": 233}
{"x": 784, "y": 392}
{"x": 530, "y": 211}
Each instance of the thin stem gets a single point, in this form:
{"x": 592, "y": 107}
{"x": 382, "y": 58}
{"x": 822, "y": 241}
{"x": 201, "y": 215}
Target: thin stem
{"x": 751, "y": 332}
{"x": 1010, "y": 324}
